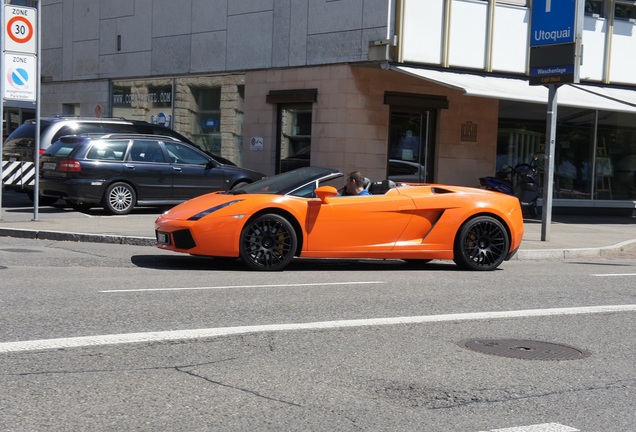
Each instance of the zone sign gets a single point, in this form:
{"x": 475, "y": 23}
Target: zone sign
{"x": 20, "y": 24}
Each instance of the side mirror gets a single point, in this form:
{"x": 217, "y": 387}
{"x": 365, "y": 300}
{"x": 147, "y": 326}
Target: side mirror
{"x": 325, "y": 193}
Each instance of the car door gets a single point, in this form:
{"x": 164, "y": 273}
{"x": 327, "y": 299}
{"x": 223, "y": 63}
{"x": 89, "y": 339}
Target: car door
{"x": 363, "y": 224}
{"x": 194, "y": 173}
{"x": 149, "y": 171}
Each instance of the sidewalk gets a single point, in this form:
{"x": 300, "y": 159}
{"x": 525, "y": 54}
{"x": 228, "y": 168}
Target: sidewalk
{"x": 570, "y": 236}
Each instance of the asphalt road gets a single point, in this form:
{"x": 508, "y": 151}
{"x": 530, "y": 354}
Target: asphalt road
{"x": 110, "y": 337}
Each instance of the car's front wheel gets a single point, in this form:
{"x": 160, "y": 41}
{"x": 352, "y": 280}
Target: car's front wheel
{"x": 268, "y": 243}
{"x": 481, "y": 244}
{"x": 119, "y": 198}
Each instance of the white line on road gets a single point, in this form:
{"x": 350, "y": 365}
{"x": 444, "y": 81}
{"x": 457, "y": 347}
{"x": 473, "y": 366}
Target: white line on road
{"x": 242, "y": 286}
{"x": 545, "y": 427}
{"x": 84, "y": 341}
{"x": 613, "y": 274}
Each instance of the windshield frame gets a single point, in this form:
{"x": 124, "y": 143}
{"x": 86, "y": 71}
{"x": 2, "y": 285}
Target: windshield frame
{"x": 290, "y": 182}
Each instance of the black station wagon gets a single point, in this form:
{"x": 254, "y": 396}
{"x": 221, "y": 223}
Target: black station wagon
{"x": 120, "y": 171}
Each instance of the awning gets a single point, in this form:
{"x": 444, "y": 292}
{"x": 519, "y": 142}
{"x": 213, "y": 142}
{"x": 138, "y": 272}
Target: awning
{"x": 572, "y": 95}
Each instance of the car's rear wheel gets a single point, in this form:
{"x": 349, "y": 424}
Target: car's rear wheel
{"x": 119, "y": 198}
{"x": 80, "y": 206}
{"x": 482, "y": 244}
{"x": 268, "y": 243}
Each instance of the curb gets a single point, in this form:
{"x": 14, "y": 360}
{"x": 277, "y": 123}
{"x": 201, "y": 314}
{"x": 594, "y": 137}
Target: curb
{"x": 77, "y": 237}
{"x": 559, "y": 254}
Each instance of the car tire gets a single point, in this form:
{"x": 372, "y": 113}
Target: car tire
{"x": 79, "y": 206}
{"x": 239, "y": 185}
{"x": 268, "y": 243}
{"x": 481, "y": 244}
{"x": 120, "y": 198}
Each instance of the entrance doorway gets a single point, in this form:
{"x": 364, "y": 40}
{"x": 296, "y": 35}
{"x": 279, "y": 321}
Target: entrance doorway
{"x": 410, "y": 150}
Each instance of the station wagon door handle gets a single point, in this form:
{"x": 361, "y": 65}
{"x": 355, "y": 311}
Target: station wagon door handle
{"x": 176, "y": 169}
{"x": 129, "y": 166}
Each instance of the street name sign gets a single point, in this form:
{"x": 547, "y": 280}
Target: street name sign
{"x": 555, "y": 38}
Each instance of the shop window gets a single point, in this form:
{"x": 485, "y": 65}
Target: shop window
{"x": 588, "y": 166}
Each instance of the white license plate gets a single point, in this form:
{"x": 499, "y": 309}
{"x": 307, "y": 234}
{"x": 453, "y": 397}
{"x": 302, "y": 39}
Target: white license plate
{"x": 163, "y": 238}
{"x": 49, "y": 165}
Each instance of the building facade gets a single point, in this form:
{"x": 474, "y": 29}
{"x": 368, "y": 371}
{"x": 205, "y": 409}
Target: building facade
{"x": 435, "y": 90}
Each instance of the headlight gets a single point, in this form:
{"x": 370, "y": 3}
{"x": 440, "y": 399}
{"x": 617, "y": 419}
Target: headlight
{"x": 204, "y": 213}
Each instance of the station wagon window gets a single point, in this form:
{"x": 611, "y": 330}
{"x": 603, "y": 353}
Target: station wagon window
{"x": 112, "y": 150}
{"x": 146, "y": 151}
{"x": 183, "y": 154}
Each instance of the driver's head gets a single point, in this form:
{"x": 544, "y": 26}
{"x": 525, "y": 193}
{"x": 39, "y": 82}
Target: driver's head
{"x": 355, "y": 182}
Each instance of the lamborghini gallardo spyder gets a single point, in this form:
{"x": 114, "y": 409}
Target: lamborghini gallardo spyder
{"x": 301, "y": 214}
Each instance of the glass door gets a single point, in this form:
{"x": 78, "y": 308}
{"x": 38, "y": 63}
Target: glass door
{"x": 409, "y": 149}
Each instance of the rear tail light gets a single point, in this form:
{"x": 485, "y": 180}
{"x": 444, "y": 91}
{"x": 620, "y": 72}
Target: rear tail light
{"x": 69, "y": 165}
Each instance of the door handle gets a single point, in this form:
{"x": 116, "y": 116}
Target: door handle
{"x": 176, "y": 169}
{"x": 129, "y": 166}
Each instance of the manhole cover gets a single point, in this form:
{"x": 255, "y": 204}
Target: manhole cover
{"x": 524, "y": 349}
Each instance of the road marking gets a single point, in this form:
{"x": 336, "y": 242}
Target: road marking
{"x": 613, "y": 274}
{"x": 545, "y": 427}
{"x": 243, "y": 286}
{"x": 85, "y": 341}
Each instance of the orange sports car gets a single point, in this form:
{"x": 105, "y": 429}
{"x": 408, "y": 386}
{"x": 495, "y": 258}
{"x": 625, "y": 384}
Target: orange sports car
{"x": 298, "y": 214}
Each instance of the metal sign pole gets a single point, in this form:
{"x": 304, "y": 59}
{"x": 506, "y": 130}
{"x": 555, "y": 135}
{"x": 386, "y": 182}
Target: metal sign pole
{"x": 548, "y": 174}
{"x": 1, "y": 112}
{"x": 36, "y": 155}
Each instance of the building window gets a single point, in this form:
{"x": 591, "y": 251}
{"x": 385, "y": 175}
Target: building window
{"x": 206, "y": 130}
{"x": 594, "y": 8}
{"x": 294, "y": 123}
{"x": 625, "y": 10}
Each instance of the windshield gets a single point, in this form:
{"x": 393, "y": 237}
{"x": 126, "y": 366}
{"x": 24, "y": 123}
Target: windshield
{"x": 21, "y": 142}
{"x": 290, "y": 181}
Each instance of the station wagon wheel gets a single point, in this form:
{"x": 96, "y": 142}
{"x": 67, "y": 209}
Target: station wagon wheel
{"x": 268, "y": 243}
{"x": 482, "y": 244}
{"x": 119, "y": 198}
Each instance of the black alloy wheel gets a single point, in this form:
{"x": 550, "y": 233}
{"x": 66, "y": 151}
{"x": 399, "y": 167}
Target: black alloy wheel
{"x": 482, "y": 244}
{"x": 268, "y": 243}
{"x": 119, "y": 198}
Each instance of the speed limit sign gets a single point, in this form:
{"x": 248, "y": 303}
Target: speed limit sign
{"x": 20, "y": 24}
